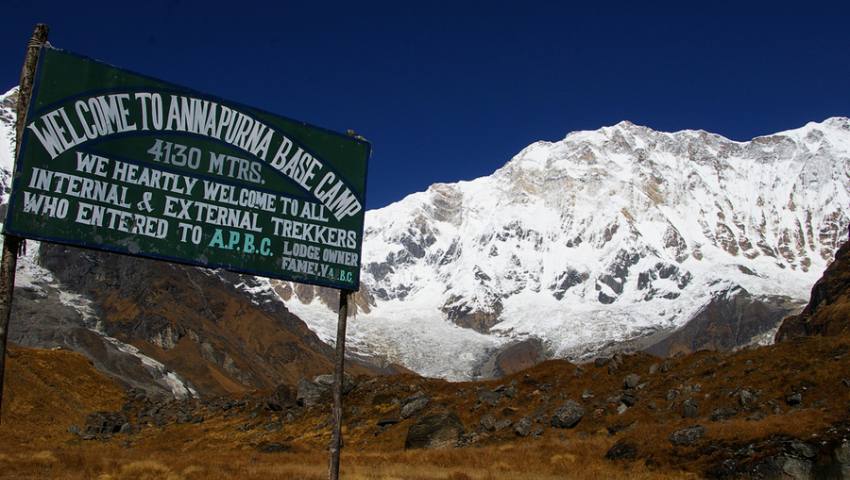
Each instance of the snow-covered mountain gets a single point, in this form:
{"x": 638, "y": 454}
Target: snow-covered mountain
{"x": 604, "y": 236}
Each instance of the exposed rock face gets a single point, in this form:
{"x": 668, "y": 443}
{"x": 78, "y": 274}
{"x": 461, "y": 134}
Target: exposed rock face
{"x": 828, "y": 311}
{"x": 46, "y": 316}
{"x": 731, "y": 318}
{"x": 197, "y": 322}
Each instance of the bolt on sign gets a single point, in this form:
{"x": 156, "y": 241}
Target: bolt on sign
{"x": 118, "y": 161}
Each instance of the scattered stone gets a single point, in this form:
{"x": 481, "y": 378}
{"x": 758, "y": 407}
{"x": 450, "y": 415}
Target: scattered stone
{"x": 126, "y": 428}
{"x": 628, "y": 399}
{"x": 672, "y": 394}
{"x": 523, "y": 427}
{"x": 74, "y": 430}
{"x": 503, "y": 424}
{"x": 568, "y": 415}
{"x": 622, "y": 450}
{"x": 601, "y": 361}
{"x": 621, "y": 409}
{"x": 794, "y": 399}
{"x": 846, "y": 382}
{"x": 488, "y": 423}
{"x": 631, "y": 381}
{"x": 690, "y": 408}
{"x": 746, "y": 397}
{"x": 723, "y": 413}
{"x": 439, "y": 430}
{"x": 273, "y": 427}
{"x": 586, "y": 394}
{"x": 687, "y": 436}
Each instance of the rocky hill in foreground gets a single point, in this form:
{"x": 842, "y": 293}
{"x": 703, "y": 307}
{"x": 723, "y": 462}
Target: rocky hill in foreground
{"x": 778, "y": 411}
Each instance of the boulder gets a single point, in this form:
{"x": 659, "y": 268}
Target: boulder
{"x": 687, "y": 436}
{"x": 310, "y": 393}
{"x": 438, "y": 430}
{"x": 622, "y": 450}
{"x": 327, "y": 380}
{"x": 794, "y": 399}
{"x": 523, "y": 427}
{"x": 568, "y": 415}
{"x": 104, "y": 424}
{"x": 690, "y": 408}
{"x": 631, "y": 381}
{"x": 487, "y": 423}
{"x": 413, "y": 405}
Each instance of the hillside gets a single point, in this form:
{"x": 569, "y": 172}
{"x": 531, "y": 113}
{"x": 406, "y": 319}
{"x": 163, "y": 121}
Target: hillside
{"x": 762, "y": 412}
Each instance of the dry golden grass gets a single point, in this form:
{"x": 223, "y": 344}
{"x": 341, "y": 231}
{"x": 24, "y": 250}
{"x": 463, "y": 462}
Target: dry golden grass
{"x": 52, "y": 390}
{"x": 547, "y": 461}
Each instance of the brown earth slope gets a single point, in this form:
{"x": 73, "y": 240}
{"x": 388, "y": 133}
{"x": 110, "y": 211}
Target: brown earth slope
{"x": 197, "y": 322}
{"x": 759, "y": 412}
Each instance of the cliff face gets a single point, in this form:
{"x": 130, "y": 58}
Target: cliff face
{"x": 828, "y": 311}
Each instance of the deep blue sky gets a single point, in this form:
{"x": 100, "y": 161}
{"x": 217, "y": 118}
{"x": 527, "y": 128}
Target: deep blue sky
{"x": 452, "y": 90}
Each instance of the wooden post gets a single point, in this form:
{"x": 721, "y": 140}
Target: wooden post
{"x": 11, "y": 244}
{"x": 339, "y": 365}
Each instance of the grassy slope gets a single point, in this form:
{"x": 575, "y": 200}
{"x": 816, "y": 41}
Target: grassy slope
{"x": 49, "y": 390}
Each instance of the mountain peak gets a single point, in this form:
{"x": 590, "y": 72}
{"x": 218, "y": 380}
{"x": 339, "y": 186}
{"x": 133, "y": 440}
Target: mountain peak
{"x": 604, "y": 236}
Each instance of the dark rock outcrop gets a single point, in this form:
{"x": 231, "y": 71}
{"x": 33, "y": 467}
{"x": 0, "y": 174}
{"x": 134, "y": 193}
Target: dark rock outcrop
{"x": 439, "y": 430}
{"x": 828, "y": 310}
{"x": 731, "y": 319}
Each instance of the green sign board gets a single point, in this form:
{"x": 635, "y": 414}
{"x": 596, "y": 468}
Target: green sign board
{"x": 118, "y": 161}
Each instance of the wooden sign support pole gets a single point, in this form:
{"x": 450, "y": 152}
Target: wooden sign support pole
{"x": 339, "y": 365}
{"x": 11, "y": 244}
